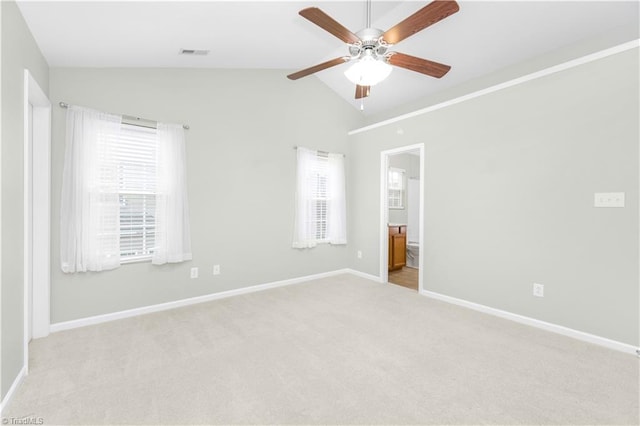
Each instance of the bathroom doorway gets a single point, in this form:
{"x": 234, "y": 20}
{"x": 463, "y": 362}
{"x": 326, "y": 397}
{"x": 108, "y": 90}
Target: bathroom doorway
{"x": 402, "y": 207}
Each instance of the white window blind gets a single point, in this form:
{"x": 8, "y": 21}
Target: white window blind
{"x": 134, "y": 154}
{"x": 395, "y": 187}
{"x": 318, "y": 183}
{"x": 320, "y": 199}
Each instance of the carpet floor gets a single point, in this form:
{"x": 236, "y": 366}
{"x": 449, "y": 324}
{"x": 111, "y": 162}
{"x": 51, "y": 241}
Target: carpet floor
{"x": 337, "y": 350}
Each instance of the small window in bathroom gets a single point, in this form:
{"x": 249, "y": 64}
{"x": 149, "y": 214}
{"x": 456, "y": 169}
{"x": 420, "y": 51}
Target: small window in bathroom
{"x": 395, "y": 188}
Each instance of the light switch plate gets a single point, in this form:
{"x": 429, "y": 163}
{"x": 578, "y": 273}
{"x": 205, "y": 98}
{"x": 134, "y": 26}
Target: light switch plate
{"x": 608, "y": 199}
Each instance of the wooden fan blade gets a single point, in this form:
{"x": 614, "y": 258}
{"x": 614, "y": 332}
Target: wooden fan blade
{"x": 362, "y": 91}
{"x": 323, "y": 66}
{"x": 329, "y": 24}
{"x": 428, "y": 15}
{"x": 433, "y": 69}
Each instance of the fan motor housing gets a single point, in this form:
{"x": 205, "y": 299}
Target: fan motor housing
{"x": 370, "y": 43}
{"x": 369, "y": 34}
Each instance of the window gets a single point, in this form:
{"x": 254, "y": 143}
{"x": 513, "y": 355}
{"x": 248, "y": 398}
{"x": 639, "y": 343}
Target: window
{"x": 124, "y": 193}
{"x": 135, "y": 152}
{"x": 318, "y": 182}
{"x": 320, "y": 199}
{"x": 395, "y": 188}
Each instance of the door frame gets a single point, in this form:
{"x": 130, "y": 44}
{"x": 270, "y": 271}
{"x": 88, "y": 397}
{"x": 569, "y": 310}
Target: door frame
{"x": 384, "y": 213}
{"x": 37, "y": 226}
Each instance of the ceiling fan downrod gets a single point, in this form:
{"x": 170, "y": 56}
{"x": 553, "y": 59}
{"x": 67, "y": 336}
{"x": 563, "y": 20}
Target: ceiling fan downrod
{"x": 368, "y": 15}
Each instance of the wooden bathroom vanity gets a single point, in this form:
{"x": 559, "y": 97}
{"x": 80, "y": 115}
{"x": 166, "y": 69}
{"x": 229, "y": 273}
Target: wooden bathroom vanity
{"x": 397, "y": 246}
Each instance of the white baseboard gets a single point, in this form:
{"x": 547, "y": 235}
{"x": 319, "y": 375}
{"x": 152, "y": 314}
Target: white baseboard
{"x": 365, "y": 275}
{"x": 82, "y": 322}
{"x": 98, "y": 319}
{"x": 16, "y": 383}
{"x": 566, "y": 331}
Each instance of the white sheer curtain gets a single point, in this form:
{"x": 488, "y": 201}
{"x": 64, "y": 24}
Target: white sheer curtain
{"x": 89, "y": 213}
{"x": 173, "y": 240}
{"x": 336, "y": 204}
{"x": 320, "y": 199}
{"x": 304, "y": 233}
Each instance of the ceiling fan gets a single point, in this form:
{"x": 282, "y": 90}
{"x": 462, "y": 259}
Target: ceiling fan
{"x": 369, "y": 48}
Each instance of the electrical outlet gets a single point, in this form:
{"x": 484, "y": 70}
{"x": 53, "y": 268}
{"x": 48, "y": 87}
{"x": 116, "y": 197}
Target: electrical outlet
{"x": 194, "y": 272}
{"x": 538, "y": 290}
{"x": 359, "y": 254}
{"x": 216, "y": 269}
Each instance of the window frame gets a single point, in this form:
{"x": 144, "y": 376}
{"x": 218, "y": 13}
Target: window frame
{"x": 142, "y": 195}
{"x": 319, "y": 172}
{"x": 400, "y": 189}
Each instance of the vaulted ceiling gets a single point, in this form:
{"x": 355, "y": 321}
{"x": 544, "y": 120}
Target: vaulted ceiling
{"x": 481, "y": 38}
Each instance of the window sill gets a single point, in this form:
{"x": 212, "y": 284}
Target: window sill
{"x": 138, "y": 259}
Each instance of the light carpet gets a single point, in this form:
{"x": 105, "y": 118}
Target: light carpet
{"x": 337, "y": 350}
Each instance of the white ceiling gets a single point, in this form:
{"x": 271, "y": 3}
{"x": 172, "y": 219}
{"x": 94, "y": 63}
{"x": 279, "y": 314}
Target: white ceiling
{"x": 481, "y": 38}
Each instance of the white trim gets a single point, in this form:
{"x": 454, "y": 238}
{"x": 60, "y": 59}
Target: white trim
{"x": 16, "y": 384}
{"x": 36, "y": 197}
{"x": 67, "y": 325}
{"x": 98, "y": 319}
{"x": 384, "y": 212}
{"x": 421, "y": 242}
{"x": 365, "y": 275}
{"x": 384, "y": 219}
{"x": 27, "y": 267}
{"x": 509, "y": 83}
{"x": 1, "y": 144}
{"x": 559, "y": 329}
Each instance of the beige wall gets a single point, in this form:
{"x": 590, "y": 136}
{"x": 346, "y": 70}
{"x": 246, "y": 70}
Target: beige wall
{"x": 509, "y": 184}
{"x": 241, "y": 178}
{"x": 19, "y": 51}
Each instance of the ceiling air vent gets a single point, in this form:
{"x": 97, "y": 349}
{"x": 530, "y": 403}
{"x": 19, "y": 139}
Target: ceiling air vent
{"x": 194, "y": 52}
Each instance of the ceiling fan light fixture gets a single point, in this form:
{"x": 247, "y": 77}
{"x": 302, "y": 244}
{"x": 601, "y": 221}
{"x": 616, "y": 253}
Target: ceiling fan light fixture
{"x": 368, "y": 71}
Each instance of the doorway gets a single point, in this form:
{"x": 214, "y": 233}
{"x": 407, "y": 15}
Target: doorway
{"x": 401, "y": 216}
{"x": 37, "y": 170}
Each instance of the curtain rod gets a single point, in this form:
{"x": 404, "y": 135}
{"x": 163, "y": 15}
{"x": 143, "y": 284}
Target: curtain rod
{"x": 323, "y": 152}
{"x": 129, "y": 117}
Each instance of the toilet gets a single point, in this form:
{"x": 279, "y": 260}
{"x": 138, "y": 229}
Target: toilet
{"x": 413, "y": 254}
